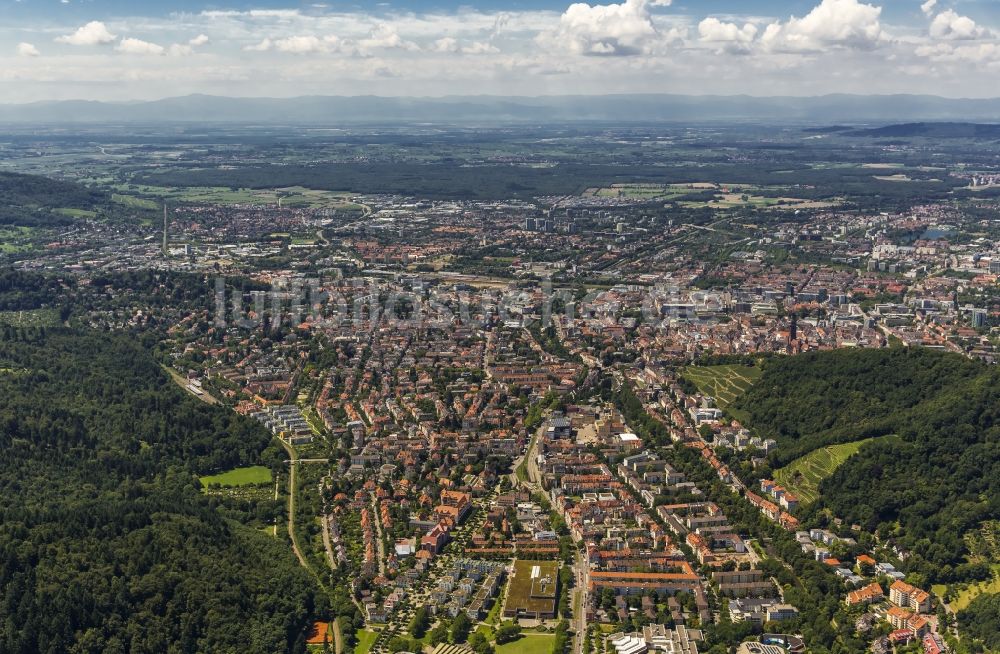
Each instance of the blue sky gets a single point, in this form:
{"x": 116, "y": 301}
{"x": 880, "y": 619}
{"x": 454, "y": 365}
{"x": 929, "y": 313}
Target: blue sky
{"x": 117, "y": 50}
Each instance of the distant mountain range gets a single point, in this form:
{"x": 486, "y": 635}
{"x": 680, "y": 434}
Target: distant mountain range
{"x": 332, "y": 110}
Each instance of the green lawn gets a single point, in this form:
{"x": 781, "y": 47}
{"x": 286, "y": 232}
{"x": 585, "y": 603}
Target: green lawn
{"x": 366, "y": 638}
{"x": 494, "y": 615}
{"x": 76, "y": 213}
{"x": 131, "y": 201}
{"x": 487, "y": 631}
{"x": 803, "y": 475}
{"x": 724, "y": 383}
{"x": 529, "y": 643}
{"x": 239, "y": 477}
{"x": 965, "y": 595}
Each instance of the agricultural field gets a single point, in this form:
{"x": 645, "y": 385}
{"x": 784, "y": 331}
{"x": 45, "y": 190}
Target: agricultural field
{"x": 724, "y": 383}
{"x": 803, "y": 475}
{"x": 984, "y": 544}
{"x": 735, "y": 200}
{"x": 295, "y": 196}
{"x": 639, "y": 191}
{"x": 131, "y": 201}
{"x": 533, "y": 588}
{"x": 250, "y": 476}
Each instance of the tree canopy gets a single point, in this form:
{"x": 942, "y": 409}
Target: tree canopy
{"x": 106, "y": 542}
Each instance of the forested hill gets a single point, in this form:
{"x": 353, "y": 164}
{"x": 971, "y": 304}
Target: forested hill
{"x": 932, "y": 130}
{"x": 106, "y": 543}
{"x": 820, "y": 398}
{"x": 31, "y": 200}
{"x": 936, "y": 481}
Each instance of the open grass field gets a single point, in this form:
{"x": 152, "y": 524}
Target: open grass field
{"x": 16, "y": 238}
{"x": 130, "y": 201}
{"x": 639, "y": 191}
{"x": 528, "y": 643}
{"x": 76, "y": 213}
{"x": 366, "y": 638}
{"x": 724, "y": 383}
{"x": 239, "y": 477}
{"x": 968, "y": 593}
{"x": 532, "y": 588}
{"x": 803, "y": 475}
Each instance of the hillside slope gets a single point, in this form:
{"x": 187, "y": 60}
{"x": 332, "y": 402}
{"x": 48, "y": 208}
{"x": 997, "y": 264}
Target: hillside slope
{"x": 106, "y": 542}
{"x": 924, "y": 490}
{"x": 35, "y": 201}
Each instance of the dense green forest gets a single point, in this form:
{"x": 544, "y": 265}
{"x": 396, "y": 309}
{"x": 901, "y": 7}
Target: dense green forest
{"x": 33, "y": 201}
{"x": 106, "y": 542}
{"x": 21, "y": 291}
{"x": 923, "y": 490}
{"x": 821, "y": 398}
{"x": 981, "y": 620}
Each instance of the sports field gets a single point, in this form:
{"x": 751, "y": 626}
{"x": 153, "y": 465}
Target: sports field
{"x": 239, "y": 477}
{"x": 724, "y": 383}
{"x": 803, "y": 475}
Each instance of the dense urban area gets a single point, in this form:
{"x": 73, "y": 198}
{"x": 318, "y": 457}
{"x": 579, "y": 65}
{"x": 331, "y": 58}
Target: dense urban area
{"x": 544, "y": 390}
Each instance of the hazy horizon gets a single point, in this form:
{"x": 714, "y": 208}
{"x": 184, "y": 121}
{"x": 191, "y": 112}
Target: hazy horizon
{"x": 499, "y": 96}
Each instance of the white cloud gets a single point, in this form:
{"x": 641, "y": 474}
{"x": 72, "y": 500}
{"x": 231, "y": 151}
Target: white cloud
{"x": 979, "y": 53}
{"x": 928, "y": 7}
{"x": 93, "y": 33}
{"x": 480, "y": 48}
{"x": 265, "y": 45}
{"x": 27, "y": 50}
{"x": 950, "y": 25}
{"x": 516, "y": 52}
{"x": 729, "y": 36}
{"x": 301, "y": 44}
{"x": 615, "y": 29}
{"x": 139, "y": 47}
{"x": 832, "y": 23}
{"x": 445, "y": 44}
{"x": 283, "y": 14}
{"x": 385, "y": 36}
{"x": 185, "y": 49}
